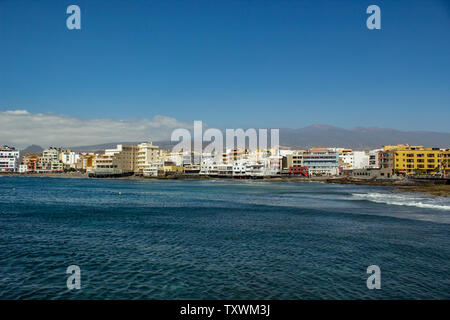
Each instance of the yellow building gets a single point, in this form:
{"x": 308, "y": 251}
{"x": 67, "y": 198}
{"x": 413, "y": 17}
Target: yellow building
{"x": 445, "y": 163}
{"x": 85, "y": 161}
{"x": 417, "y": 159}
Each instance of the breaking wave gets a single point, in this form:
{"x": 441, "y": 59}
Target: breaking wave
{"x": 404, "y": 200}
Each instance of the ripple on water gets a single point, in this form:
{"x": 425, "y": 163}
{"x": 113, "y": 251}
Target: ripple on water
{"x": 223, "y": 240}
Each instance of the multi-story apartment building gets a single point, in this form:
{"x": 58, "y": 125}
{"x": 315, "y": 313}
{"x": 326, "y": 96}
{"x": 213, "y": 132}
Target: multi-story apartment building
{"x": 233, "y": 155}
{"x": 175, "y": 157}
{"x": 417, "y": 159}
{"x": 30, "y": 160}
{"x": 321, "y": 162}
{"x": 147, "y": 154}
{"x": 121, "y": 160}
{"x": 49, "y": 162}
{"x": 295, "y": 159}
{"x": 105, "y": 164}
{"x": 350, "y": 159}
{"x": 9, "y": 159}
{"x": 84, "y": 161}
{"x": 345, "y": 158}
{"x": 375, "y": 158}
{"x": 125, "y": 157}
{"x": 69, "y": 158}
{"x": 387, "y": 160}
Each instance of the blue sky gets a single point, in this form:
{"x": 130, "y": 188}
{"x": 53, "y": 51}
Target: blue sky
{"x": 231, "y": 63}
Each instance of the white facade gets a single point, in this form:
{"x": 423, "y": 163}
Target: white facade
{"x": 175, "y": 157}
{"x": 375, "y": 158}
{"x": 69, "y": 158}
{"x": 321, "y": 162}
{"x": 354, "y": 159}
{"x": 240, "y": 168}
{"x": 147, "y": 155}
{"x": 49, "y": 162}
{"x": 360, "y": 160}
{"x": 9, "y": 159}
{"x": 153, "y": 169}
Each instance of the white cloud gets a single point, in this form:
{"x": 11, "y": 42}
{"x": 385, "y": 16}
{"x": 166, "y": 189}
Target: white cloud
{"x": 20, "y": 128}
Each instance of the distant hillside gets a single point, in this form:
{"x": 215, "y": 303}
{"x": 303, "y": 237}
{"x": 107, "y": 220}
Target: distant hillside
{"x": 33, "y": 149}
{"x": 359, "y": 138}
{"x": 329, "y": 136}
{"x": 101, "y": 147}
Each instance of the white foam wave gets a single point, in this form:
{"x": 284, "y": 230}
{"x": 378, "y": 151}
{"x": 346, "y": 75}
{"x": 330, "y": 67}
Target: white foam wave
{"x": 404, "y": 200}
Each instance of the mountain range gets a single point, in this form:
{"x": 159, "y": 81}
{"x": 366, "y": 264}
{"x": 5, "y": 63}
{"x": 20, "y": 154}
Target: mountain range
{"x": 359, "y": 138}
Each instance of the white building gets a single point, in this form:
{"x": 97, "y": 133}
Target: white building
{"x": 153, "y": 169}
{"x": 208, "y": 167}
{"x": 147, "y": 154}
{"x": 350, "y": 159}
{"x": 49, "y": 162}
{"x": 375, "y": 158}
{"x": 9, "y": 159}
{"x": 69, "y": 158}
{"x": 360, "y": 160}
{"x": 321, "y": 162}
{"x": 240, "y": 168}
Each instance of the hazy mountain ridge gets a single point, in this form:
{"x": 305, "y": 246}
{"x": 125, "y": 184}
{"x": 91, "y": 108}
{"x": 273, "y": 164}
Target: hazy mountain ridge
{"x": 361, "y": 138}
{"x": 33, "y": 149}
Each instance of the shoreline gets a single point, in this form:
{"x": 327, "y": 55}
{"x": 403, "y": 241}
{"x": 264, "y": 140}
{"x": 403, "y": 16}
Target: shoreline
{"x": 403, "y": 185}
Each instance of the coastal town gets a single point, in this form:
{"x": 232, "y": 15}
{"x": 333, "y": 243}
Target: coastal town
{"x": 149, "y": 160}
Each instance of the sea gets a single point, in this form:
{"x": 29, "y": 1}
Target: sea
{"x": 219, "y": 239}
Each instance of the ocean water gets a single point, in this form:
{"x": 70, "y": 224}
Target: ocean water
{"x": 156, "y": 239}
